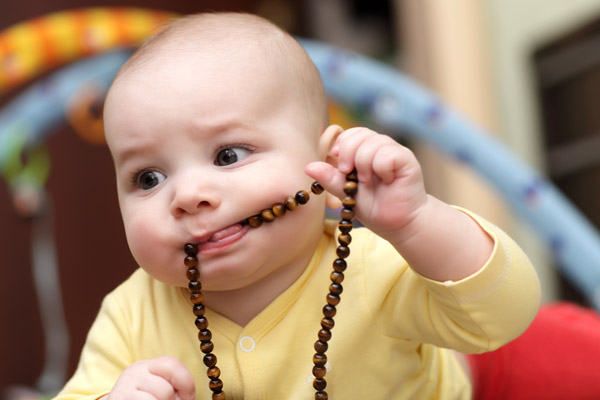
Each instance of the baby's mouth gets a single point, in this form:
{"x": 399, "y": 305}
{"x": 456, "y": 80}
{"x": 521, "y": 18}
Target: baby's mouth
{"x": 223, "y": 237}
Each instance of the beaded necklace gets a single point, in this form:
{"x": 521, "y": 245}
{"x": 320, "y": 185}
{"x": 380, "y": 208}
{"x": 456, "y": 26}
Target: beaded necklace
{"x": 333, "y": 297}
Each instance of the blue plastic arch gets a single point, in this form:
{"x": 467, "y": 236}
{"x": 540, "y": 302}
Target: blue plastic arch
{"x": 392, "y": 100}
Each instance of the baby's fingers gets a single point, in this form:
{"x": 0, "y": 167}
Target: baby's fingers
{"x": 173, "y": 371}
{"x": 348, "y": 144}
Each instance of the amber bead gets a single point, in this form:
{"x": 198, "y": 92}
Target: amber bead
{"x": 320, "y": 395}
{"x": 319, "y": 372}
{"x": 267, "y": 215}
{"x": 199, "y": 309}
{"x": 342, "y": 251}
{"x": 192, "y": 274}
{"x": 327, "y": 323}
{"x": 213, "y": 373}
{"x": 336, "y": 288}
{"x": 324, "y": 335}
{"x": 218, "y": 396}
{"x": 210, "y": 360}
{"x": 190, "y": 261}
{"x": 290, "y": 203}
{"x": 216, "y": 385}
{"x": 333, "y": 299}
{"x": 345, "y": 225}
{"x": 201, "y": 323}
{"x": 204, "y": 335}
{"x": 190, "y": 249}
{"x": 336, "y": 277}
{"x": 319, "y": 384}
{"x": 279, "y": 210}
{"x": 302, "y": 197}
{"x": 197, "y": 298}
{"x": 194, "y": 286}
{"x": 339, "y": 265}
{"x": 321, "y": 347}
{"x": 329, "y": 311}
{"x": 349, "y": 202}
{"x": 350, "y": 187}
{"x": 352, "y": 176}
{"x": 319, "y": 359}
{"x": 344, "y": 239}
{"x": 207, "y": 347}
{"x": 347, "y": 213}
{"x": 316, "y": 188}
{"x": 255, "y": 221}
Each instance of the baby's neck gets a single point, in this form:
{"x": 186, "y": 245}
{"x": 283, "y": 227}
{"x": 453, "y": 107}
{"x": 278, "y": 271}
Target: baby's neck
{"x": 242, "y": 305}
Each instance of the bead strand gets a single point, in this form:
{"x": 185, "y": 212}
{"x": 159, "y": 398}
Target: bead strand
{"x": 204, "y": 334}
{"x": 279, "y": 209}
{"x": 335, "y": 289}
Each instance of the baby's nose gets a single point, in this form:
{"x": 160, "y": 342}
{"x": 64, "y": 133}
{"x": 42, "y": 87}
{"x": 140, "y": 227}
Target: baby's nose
{"x": 193, "y": 197}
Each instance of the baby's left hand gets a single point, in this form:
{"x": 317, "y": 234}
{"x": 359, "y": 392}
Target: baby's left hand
{"x": 391, "y": 190}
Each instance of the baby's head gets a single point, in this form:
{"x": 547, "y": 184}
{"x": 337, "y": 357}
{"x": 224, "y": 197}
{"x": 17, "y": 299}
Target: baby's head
{"x": 209, "y": 122}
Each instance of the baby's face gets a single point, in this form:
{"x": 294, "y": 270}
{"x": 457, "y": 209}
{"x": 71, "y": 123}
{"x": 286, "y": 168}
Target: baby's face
{"x": 200, "y": 146}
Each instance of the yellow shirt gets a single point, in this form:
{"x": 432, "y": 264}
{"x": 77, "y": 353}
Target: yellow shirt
{"x": 391, "y": 330}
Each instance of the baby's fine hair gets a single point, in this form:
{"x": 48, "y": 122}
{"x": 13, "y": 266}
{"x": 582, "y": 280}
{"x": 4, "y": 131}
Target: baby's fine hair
{"x": 222, "y": 33}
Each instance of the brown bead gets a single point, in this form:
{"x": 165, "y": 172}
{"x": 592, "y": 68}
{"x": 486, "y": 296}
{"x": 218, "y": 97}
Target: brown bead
{"x": 344, "y": 239}
{"x": 333, "y": 299}
{"x": 207, "y": 347}
{"x": 194, "y": 286}
{"x": 349, "y": 202}
{"x": 345, "y": 225}
{"x": 190, "y": 249}
{"x": 342, "y": 251}
{"x": 190, "y": 261}
{"x": 192, "y": 274}
{"x": 350, "y": 187}
{"x": 316, "y": 188}
{"x": 279, "y": 210}
{"x": 321, "y": 347}
{"x": 201, "y": 323}
{"x": 336, "y": 277}
{"x": 347, "y": 213}
{"x": 324, "y": 335}
{"x": 290, "y": 203}
{"x": 210, "y": 360}
{"x": 319, "y": 372}
{"x": 219, "y": 396}
{"x": 319, "y": 384}
{"x": 199, "y": 309}
{"x": 329, "y": 311}
{"x": 336, "y": 288}
{"x": 352, "y": 176}
{"x": 339, "y": 265}
{"x": 204, "y": 335}
{"x": 213, "y": 373}
{"x": 216, "y": 385}
{"x": 319, "y": 359}
{"x": 302, "y": 197}
{"x": 321, "y": 395}
{"x": 327, "y": 323}
{"x": 197, "y": 298}
{"x": 267, "y": 215}
{"x": 255, "y": 221}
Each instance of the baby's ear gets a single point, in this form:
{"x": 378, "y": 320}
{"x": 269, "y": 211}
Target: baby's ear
{"x": 326, "y": 142}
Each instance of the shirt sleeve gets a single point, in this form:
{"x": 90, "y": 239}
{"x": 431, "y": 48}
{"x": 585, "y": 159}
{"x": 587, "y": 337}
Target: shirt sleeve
{"x": 105, "y": 355}
{"x": 479, "y": 313}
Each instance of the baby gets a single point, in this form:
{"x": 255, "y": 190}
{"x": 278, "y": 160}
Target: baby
{"x": 222, "y": 115}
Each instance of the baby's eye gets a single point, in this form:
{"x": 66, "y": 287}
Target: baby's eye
{"x": 231, "y": 155}
{"x": 149, "y": 179}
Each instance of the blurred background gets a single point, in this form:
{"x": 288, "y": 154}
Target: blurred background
{"x": 526, "y": 70}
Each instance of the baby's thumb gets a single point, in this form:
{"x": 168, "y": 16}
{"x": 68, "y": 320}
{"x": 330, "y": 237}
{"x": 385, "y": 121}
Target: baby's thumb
{"x": 328, "y": 176}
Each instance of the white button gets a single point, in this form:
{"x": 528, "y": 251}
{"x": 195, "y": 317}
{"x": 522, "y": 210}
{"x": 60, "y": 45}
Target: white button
{"x": 247, "y": 344}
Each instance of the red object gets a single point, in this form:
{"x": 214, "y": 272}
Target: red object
{"x": 558, "y": 357}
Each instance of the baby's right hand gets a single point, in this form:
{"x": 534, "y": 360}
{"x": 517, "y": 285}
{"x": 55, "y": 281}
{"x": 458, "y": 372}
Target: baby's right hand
{"x": 161, "y": 378}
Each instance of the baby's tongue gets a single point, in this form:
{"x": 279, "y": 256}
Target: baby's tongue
{"x": 225, "y": 232}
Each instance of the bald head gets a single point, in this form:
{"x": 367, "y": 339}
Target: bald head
{"x": 222, "y": 36}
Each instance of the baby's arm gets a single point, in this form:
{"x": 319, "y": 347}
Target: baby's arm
{"x": 161, "y": 378}
{"x": 437, "y": 240}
